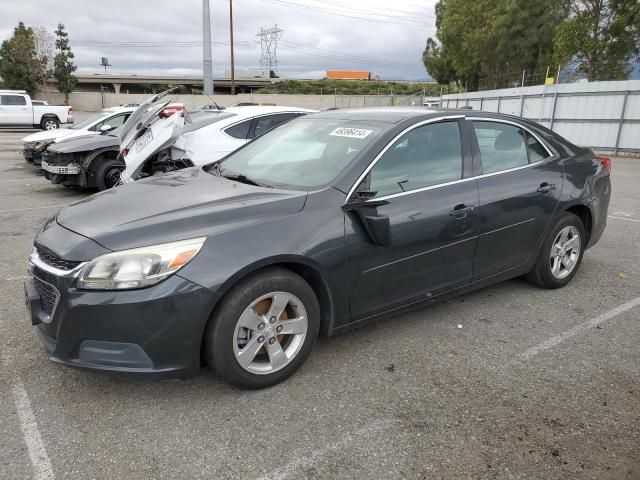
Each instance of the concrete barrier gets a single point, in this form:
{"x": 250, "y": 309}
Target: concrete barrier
{"x": 96, "y": 101}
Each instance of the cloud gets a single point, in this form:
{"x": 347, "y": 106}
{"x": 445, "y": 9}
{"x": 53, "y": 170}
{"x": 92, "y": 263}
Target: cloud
{"x": 165, "y": 37}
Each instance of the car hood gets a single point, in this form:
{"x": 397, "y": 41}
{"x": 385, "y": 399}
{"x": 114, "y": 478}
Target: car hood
{"x": 83, "y": 144}
{"x": 185, "y": 204}
{"x": 48, "y": 135}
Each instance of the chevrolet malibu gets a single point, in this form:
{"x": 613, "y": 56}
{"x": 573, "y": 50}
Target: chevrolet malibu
{"x": 324, "y": 223}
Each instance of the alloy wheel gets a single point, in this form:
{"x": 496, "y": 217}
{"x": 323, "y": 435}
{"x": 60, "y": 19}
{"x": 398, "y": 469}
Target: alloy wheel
{"x": 50, "y": 125}
{"x": 565, "y": 252}
{"x": 270, "y": 333}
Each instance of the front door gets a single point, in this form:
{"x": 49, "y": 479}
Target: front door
{"x": 433, "y": 219}
{"x": 519, "y": 190}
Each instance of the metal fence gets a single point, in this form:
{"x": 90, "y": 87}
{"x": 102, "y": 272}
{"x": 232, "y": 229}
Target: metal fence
{"x": 602, "y": 115}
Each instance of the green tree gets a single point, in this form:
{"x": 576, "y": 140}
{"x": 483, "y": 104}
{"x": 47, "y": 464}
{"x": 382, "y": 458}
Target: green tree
{"x": 600, "y": 38}
{"x": 17, "y": 60}
{"x": 435, "y": 59}
{"x": 524, "y": 37}
{"x": 437, "y": 63}
{"x": 465, "y": 31}
{"x": 63, "y": 66}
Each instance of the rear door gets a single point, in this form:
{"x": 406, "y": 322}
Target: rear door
{"x": 519, "y": 186}
{"x": 431, "y": 203}
{"x": 15, "y": 110}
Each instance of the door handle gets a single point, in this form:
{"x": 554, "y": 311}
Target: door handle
{"x": 545, "y": 188}
{"x": 461, "y": 211}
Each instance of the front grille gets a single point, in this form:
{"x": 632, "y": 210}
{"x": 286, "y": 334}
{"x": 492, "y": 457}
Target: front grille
{"x": 48, "y": 295}
{"x": 53, "y": 158}
{"x": 50, "y": 258}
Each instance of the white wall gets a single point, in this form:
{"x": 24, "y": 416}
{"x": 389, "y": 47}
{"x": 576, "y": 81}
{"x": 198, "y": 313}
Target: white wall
{"x": 588, "y": 114}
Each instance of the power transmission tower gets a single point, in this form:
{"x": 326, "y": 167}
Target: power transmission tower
{"x": 268, "y": 45}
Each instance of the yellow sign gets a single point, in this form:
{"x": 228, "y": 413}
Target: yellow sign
{"x": 549, "y": 81}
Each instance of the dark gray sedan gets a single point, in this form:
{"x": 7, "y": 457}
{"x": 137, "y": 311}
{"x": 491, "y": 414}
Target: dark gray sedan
{"x": 318, "y": 226}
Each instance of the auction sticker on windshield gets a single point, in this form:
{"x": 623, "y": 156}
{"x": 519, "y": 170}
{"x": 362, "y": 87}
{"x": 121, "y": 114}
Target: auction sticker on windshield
{"x": 144, "y": 140}
{"x": 351, "y": 132}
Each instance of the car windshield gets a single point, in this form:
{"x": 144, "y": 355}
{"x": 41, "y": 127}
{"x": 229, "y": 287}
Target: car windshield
{"x": 304, "y": 153}
{"x": 88, "y": 121}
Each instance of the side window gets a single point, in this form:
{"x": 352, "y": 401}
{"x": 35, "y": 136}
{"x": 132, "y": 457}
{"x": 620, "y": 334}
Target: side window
{"x": 12, "y": 100}
{"x": 536, "y": 151}
{"x": 239, "y": 130}
{"x": 502, "y": 146}
{"x": 115, "y": 121}
{"x": 266, "y": 123}
{"x": 426, "y": 156}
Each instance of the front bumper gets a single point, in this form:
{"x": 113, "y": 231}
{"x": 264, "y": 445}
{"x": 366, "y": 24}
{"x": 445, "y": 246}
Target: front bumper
{"x": 156, "y": 331}
{"x": 68, "y": 169}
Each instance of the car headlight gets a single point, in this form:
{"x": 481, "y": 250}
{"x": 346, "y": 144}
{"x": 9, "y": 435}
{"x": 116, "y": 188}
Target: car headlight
{"x": 138, "y": 267}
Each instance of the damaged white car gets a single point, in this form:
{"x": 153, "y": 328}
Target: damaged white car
{"x": 161, "y": 136}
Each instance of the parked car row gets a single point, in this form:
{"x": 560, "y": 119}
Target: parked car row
{"x": 164, "y": 138}
{"x": 328, "y": 221}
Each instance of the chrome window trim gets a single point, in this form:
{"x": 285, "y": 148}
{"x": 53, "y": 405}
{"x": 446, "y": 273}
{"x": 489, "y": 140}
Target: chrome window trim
{"x": 553, "y": 156}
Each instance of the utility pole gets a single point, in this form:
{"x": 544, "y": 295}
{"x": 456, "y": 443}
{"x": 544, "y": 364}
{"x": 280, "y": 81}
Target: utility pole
{"x": 233, "y": 73}
{"x": 207, "y": 63}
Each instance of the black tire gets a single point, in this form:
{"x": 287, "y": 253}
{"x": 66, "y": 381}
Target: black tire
{"x": 541, "y": 274}
{"x": 219, "y": 336}
{"x": 49, "y": 123}
{"x": 108, "y": 173}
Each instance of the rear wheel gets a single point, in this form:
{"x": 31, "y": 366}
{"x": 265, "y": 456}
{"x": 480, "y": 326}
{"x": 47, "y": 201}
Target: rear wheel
{"x": 49, "y": 123}
{"x": 108, "y": 173}
{"x": 561, "y": 253}
{"x": 264, "y": 329}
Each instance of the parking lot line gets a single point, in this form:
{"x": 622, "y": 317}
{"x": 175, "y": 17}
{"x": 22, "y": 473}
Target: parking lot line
{"x": 31, "y": 433}
{"x": 572, "y": 332}
{"x": 33, "y": 208}
{"x": 305, "y": 461}
{"x": 623, "y": 218}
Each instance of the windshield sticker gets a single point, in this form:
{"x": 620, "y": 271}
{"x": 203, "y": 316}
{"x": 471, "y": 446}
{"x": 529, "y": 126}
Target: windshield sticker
{"x": 351, "y": 132}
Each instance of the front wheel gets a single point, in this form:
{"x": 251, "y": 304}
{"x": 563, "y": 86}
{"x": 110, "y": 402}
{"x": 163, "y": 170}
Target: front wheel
{"x": 108, "y": 174}
{"x": 264, "y": 329}
{"x": 49, "y": 123}
{"x": 561, "y": 253}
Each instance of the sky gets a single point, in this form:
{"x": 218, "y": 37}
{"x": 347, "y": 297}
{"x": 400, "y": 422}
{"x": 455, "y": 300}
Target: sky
{"x": 163, "y": 37}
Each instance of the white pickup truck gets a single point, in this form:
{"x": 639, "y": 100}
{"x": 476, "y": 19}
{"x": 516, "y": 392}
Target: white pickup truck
{"x": 17, "y": 109}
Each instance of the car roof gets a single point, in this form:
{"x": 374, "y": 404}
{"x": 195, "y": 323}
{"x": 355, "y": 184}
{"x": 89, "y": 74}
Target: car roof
{"x": 379, "y": 114}
{"x": 253, "y": 111}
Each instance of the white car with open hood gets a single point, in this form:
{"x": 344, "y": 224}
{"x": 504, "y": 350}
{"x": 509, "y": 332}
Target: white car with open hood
{"x": 161, "y": 136}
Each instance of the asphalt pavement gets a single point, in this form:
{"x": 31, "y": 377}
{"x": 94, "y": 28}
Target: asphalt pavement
{"x": 509, "y": 382}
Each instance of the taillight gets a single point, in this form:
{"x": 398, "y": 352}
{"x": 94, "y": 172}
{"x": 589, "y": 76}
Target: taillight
{"x": 166, "y": 112}
{"x": 70, "y": 109}
{"x": 605, "y": 162}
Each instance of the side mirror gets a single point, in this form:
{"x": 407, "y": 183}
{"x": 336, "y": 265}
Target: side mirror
{"x": 106, "y": 128}
{"x": 377, "y": 226}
